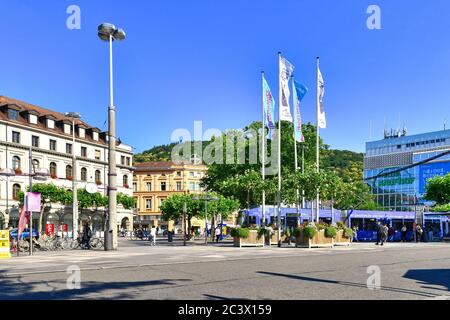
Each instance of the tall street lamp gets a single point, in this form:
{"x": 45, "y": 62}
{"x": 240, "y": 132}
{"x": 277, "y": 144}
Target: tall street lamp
{"x": 108, "y": 32}
{"x": 73, "y": 116}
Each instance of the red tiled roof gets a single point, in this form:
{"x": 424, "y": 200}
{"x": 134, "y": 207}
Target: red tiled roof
{"x": 42, "y": 113}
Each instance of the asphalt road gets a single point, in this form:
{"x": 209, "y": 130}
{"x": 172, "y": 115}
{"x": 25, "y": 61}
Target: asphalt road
{"x": 138, "y": 271}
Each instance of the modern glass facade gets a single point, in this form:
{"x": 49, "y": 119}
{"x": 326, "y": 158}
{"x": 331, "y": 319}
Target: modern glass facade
{"x": 398, "y": 191}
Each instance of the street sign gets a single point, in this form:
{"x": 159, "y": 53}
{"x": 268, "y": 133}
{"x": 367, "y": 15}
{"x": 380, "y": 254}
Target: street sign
{"x": 4, "y": 244}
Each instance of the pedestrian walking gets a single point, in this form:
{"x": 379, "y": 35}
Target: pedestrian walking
{"x": 419, "y": 233}
{"x": 384, "y": 230}
{"x": 378, "y": 229}
{"x": 87, "y": 235}
{"x": 218, "y": 234}
{"x": 404, "y": 230}
{"x": 153, "y": 235}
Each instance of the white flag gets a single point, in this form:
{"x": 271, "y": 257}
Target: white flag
{"x": 321, "y": 118}
{"x": 286, "y": 71}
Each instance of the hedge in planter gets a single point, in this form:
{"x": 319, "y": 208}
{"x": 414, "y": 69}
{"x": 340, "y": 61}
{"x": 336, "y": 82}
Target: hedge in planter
{"x": 330, "y": 232}
{"x": 309, "y": 236}
{"x": 247, "y": 237}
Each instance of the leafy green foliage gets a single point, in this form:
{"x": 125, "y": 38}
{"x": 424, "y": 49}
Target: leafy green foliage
{"x": 349, "y": 233}
{"x": 127, "y": 201}
{"x": 309, "y": 231}
{"x": 330, "y": 232}
{"x": 442, "y": 208}
{"x": 242, "y": 233}
{"x": 438, "y": 190}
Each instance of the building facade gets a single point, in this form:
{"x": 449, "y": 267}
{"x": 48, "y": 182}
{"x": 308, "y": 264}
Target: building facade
{"x": 405, "y": 163}
{"x": 49, "y": 135}
{"x": 154, "y": 182}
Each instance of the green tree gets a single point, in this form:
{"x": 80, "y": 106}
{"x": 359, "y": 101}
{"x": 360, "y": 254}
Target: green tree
{"x": 438, "y": 189}
{"x": 172, "y": 208}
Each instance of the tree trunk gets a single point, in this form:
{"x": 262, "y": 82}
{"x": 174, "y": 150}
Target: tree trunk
{"x": 189, "y": 235}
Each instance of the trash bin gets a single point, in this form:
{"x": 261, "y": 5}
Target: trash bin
{"x": 170, "y": 236}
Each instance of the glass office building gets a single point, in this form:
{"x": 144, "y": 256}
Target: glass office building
{"x": 408, "y": 158}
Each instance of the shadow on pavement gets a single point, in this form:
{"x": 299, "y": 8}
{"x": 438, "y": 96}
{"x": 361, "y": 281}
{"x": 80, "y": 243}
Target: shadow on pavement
{"x": 349, "y": 284}
{"x": 436, "y": 277}
{"x": 213, "y": 297}
{"x": 15, "y": 288}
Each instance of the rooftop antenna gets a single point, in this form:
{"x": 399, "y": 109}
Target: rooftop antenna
{"x": 445, "y": 124}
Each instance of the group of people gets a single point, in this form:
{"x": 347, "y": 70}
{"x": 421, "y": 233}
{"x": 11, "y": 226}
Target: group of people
{"x": 383, "y": 233}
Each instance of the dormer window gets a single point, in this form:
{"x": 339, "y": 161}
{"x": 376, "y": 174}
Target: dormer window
{"x": 32, "y": 118}
{"x": 95, "y": 135}
{"x": 81, "y": 132}
{"x": 67, "y": 128}
{"x": 50, "y": 124}
{"x": 13, "y": 114}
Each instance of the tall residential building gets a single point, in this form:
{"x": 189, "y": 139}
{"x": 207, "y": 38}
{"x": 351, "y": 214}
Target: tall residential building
{"x": 153, "y": 182}
{"x": 408, "y": 161}
{"x": 49, "y": 134}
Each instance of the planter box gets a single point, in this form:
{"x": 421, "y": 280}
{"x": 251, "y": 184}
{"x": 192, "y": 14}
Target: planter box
{"x": 273, "y": 240}
{"x": 318, "y": 241}
{"x": 253, "y": 240}
{"x": 341, "y": 239}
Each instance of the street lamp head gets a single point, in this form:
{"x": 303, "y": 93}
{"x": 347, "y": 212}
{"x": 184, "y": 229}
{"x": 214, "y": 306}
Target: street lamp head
{"x": 74, "y": 115}
{"x": 106, "y": 30}
{"x": 119, "y": 35}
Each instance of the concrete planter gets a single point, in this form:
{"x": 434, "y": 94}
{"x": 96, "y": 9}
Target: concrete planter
{"x": 273, "y": 239}
{"x": 341, "y": 239}
{"x": 253, "y": 240}
{"x": 318, "y": 241}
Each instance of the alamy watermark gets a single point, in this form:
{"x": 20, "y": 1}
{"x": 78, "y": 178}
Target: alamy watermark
{"x": 74, "y": 279}
{"x": 374, "y": 280}
{"x": 73, "y": 22}
{"x": 231, "y": 147}
{"x": 374, "y": 20}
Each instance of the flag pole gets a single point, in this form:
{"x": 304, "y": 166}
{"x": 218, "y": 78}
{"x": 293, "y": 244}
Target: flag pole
{"x": 294, "y": 105}
{"x": 263, "y": 155}
{"x": 280, "y": 102}
{"x": 317, "y": 140}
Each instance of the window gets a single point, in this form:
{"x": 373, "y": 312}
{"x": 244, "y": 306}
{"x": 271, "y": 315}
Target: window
{"x": 191, "y": 174}
{"x": 178, "y": 173}
{"x": 161, "y": 201}
{"x": 163, "y": 186}
{"x": 149, "y": 186}
{"x": 134, "y": 186}
{"x": 148, "y": 204}
{"x": 128, "y": 161}
{"x": 13, "y": 114}
{"x": 16, "y": 191}
{"x": 98, "y": 177}
{"x": 192, "y": 186}
{"x": 16, "y": 137}
{"x": 68, "y": 148}
{"x": 84, "y": 152}
{"x": 16, "y": 163}
{"x": 35, "y": 141}
{"x": 97, "y": 154}
{"x": 178, "y": 185}
{"x": 83, "y": 174}
{"x": 53, "y": 170}
{"x": 35, "y": 165}
{"x": 69, "y": 173}
{"x": 53, "y": 145}
{"x": 125, "y": 181}
{"x": 122, "y": 160}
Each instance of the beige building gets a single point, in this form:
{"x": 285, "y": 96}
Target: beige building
{"x": 153, "y": 182}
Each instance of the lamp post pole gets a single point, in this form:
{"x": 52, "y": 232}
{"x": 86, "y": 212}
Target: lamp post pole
{"x": 74, "y": 115}
{"x": 109, "y": 32}
{"x": 74, "y": 186}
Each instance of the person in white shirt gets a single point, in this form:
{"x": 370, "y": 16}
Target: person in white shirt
{"x": 218, "y": 234}
{"x": 153, "y": 235}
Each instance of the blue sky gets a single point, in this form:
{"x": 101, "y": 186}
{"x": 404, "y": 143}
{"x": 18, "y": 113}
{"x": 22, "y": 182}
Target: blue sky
{"x": 201, "y": 60}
